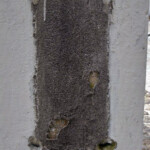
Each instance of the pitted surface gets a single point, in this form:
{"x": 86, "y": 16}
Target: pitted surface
{"x": 71, "y": 43}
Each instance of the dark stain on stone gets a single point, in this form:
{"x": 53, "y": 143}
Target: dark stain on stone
{"x": 72, "y": 42}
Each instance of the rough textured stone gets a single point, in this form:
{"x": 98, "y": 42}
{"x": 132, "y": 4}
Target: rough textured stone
{"x": 71, "y": 43}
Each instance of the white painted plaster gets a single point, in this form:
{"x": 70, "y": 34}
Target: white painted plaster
{"x": 147, "y": 86}
{"x": 149, "y": 7}
{"x": 44, "y": 10}
{"x": 128, "y": 44}
{"x": 17, "y": 55}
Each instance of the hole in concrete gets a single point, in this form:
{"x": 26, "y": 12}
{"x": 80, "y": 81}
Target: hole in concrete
{"x": 34, "y": 142}
{"x": 93, "y": 79}
{"x": 55, "y": 128}
{"x": 107, "y": 144}
{"x": 35, "y": 2}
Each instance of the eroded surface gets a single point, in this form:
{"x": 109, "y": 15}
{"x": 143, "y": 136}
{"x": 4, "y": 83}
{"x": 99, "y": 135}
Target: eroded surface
{"x": 72, "y": 43}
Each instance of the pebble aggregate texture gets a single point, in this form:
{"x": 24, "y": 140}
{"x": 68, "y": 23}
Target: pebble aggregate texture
{"x": 72, "y": 42}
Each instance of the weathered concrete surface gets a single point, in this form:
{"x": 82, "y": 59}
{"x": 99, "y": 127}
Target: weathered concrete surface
{"x": 16, "y": 72}
{"x": 72, "y": 42}
{"x": 128, "y": 45}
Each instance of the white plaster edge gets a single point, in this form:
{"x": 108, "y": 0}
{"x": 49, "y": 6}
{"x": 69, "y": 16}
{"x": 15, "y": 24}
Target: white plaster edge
{"x": 44, "y": 10}
{"x": 127, "y": 63}
{"x": 17, "y": 60}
